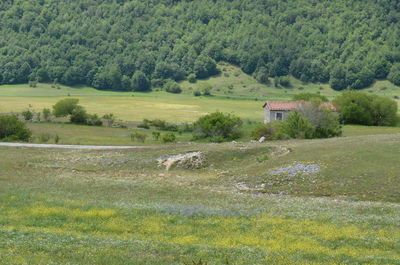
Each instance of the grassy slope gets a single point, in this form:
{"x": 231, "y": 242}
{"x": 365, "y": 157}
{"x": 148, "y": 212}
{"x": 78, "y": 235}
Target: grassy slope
{"x": 171, "y": 107}
{"x": 91, "y": 207}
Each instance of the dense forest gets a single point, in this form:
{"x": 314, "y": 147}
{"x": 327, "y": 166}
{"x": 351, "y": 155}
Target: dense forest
{"x": 137, "y": 44}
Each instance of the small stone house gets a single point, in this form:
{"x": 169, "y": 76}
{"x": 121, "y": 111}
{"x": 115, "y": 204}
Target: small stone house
{"x": 278, "y": 110}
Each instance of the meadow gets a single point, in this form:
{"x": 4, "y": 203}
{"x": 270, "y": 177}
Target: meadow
{"x": 119, "y": 207}
{"x": 233, "y": 91}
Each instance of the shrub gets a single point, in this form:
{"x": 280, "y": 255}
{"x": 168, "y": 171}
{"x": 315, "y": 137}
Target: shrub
{"x": 172, "y": 87}
{"x": 196, "y": 93}
{"x": 271, "y": 131}
{"x": 46, "y": 113}
{"x": 93, "y": 120}
{"x": 11, "y": 129}
{"x": 110, "y": 119}
{"x": 141, "y": 137}
{"x": 28, "y": 115}
{"x": 284, "y": 81}
{"x": 207, "y": 91}
{"x": 192, "y": 78}
{"x": 297, "y": 126}
{"x": 261, "y": 75}
{"x": 79, "y": 115}
{"x": 325, "y": 122}
{"x": 44, "y": 137}
{"x": 65, "y": 107}
{"x": 33, "y": 83}
{"x": 168, "y": 138}
{"x": 360, "y": 108}
{"x": 56, "y": 139}
{"x": 217, "y": 127}
{"x": 310, "y": 96}
{"x": 145, "y": 124}
{"x": 156, "y": 136}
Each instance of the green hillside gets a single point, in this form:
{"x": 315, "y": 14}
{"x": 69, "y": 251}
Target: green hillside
{"x": 132, "y": 44}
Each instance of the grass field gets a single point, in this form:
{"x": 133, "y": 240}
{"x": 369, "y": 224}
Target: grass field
{"x": 89, "y": 135}
{"x": 118, "y": 207}
{"x": 245, "y": 98}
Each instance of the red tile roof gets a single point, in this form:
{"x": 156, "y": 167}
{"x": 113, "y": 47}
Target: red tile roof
{"x": 279, "y": 105}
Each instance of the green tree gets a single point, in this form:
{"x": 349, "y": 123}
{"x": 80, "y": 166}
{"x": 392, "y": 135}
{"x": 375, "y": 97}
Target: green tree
{"x": 65, "y": 107}
{"x": 217, "y": 127}
{"x": 140, "y": 82}
{"x": 11, "y": 129}
{"x": 297, "y": 126}
{"x": 394, "y": 74}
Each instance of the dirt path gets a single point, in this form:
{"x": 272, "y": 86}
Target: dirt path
{"x": 87, "y": 147}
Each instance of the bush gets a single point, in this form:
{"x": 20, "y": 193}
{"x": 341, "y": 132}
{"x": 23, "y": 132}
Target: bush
{"x": 172, "y": 87}
{"x": 284, "y": 81}
{"x": 46, "y": 113}
{"x": 168, "y": 138}
{"x": 79, "y": 116}
{"x": 325, "y": 122}
{"x": 357, "y": 107}
{"x": 192, "y": 78}
{"x": 217, "y": 127}
{"x": 141, "y": 137}
{"x": 110, "y": 119}
{"x": 156, "y": 136}
{"x": 297, "y": 126}
{"x": 310, "y": 96}
{"x": 261, "y": 75}
{"x": 44, "y": 137}
{"x": 33, "y": 83}
{"x": 11, "y": 129}
{"x": 65, "y": 107}
{"x": 93, "y": 120}
{"x": 271, "y": 131}
{"x": 28, "y": 115}
{"x": 56, "y": 139}
{"x": 145, "y": 124}
{"x": 196, "y": 93}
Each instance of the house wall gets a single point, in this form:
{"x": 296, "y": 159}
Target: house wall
{"x": 270, "y": 115}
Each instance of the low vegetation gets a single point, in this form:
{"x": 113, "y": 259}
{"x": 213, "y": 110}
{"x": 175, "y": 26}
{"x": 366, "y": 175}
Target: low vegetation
{"x": 233, "y": 211}
{"x": 11, "y": 129}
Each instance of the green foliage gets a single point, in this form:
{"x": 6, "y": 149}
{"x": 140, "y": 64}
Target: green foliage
{"x": 79, "y": 115}
{"x": 297, "y": 126}
{"x": 46, "y": 113}
{"x": 285, "y": 81}
{"x": 156, "y": 135}
{"x": 140, "y": 82}
{"x": 65, "y": 107}
{"x": 27, "y": 114}
{"x": 394, "y": 74}
{"x": 33, "y": 83}
{"x": 192, "y": 78}
{"x": 11, "y": 129}
{"x": 196, "y": 93}
{"x": 217, "y": 127}
{"x": 172, "y": 87}
{"x": 110, "y": 119}
{"x": 356, "y": 107}
{"x": 81, "y": 43}
{"x": 93, "y": 120}
{"x": 168, "y": 138}
{"x": 141, "y": 137}
{"x": 44, "y": 137}
{"x": 324, "y": 121}
{"x": 271, "y": 131}
{"x": 262, "y": 75}
{"x": 309, "y": 97}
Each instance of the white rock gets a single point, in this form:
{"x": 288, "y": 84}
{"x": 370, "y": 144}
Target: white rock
{"x": 262, "y": 139}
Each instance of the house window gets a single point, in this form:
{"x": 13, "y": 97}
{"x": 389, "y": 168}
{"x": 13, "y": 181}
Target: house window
{"x": 279, "y": 116}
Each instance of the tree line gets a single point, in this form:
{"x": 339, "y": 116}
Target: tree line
{"x": 136, "y": 45}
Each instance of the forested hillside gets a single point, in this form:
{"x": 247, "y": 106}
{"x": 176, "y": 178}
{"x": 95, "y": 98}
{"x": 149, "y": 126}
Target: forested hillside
{"x": 132, "y": 44}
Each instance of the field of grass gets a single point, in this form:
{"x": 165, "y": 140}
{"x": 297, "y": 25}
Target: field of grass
{"x": 233, "y": 91}
{"x": 119, "y": 207}
{"x": 89, "y": 135}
